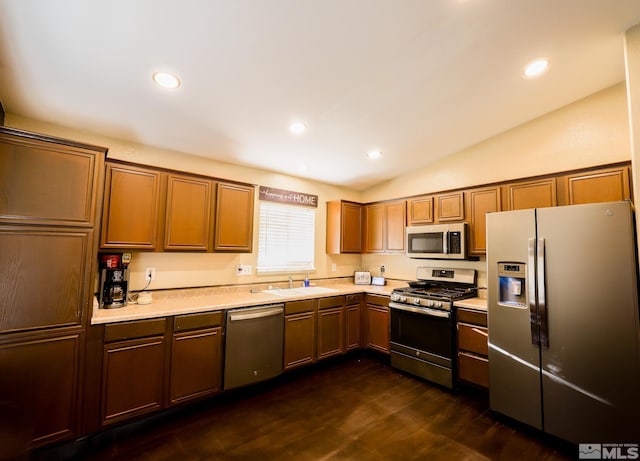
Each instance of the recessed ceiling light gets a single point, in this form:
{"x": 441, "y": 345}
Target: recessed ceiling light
{"x": 374, "y": 154}
{"x": 297, "y": 128}
{"x": 166, "y": 80}
{"x": 536, "y": 68}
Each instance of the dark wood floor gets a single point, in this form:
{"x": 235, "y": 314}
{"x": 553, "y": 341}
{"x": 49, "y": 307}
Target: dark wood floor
{"x": 352, "y": 409}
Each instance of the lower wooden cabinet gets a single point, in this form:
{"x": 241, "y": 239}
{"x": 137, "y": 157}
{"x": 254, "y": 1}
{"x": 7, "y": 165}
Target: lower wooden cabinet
{"x": 331, "y": 313}
{"x": 39, "y": 390}
{"x": 299, "y": 333}
{"x": 353, "y": 322}
{"x": 377, "y": 321}
{"x": 473, "y": 351}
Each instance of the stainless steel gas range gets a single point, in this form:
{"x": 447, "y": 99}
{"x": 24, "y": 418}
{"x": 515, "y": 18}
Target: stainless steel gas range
{"x": 423, "y": 325}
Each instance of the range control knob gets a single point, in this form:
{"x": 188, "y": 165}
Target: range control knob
{"x": 430, "y": 303}
{"x": 403, "y": 299}
{"x": 438, "y": 304}
{"x": 416, "y": 301}
{"x": 395, "y": 297}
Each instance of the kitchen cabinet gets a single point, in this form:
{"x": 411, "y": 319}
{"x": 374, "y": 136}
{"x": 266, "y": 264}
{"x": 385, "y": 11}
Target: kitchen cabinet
{"x": 299, "y": 333}
{"x": 531, "y": 194}
{"x": 133, "y": 369}
{"x": 377, "y": 322}
{"x": 353, "y": 321}
{"x": 331, "y": 336}
{"x": 385, "y": 227}
{"x": 450, "y": 207}
{"x": 188, "y": 213}
{"x": 344, "y": 227}
{"x": 132, "y": 207}
{"x": 473, "y": 351}
{"x": 420, "y": 211}
{"x": 480, "y": 202}
{"x": 196, "y": 357}
{"x": 39, "y": 387}
{"x": 600, "y": 185}
{"x": 234, "y": 218}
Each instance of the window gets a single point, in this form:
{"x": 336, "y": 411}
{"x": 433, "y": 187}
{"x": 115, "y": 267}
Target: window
{"x": 286, "y": 238}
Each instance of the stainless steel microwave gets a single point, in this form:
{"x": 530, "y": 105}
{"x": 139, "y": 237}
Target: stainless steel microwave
{"x": 437, "y": 241}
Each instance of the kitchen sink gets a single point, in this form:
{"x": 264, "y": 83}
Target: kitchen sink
{"x": 300, "y": 291}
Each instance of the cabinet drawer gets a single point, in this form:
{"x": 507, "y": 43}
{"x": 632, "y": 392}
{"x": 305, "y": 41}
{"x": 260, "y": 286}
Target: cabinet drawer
{"x": 473, "y": 338}
{"x": 296, "y": 307}
{"x": 333, "y": 301}
{"x": 137, "y": 329}
{"x": 470, "y": 316}
{"x": 473, "y": 369}
{"x": 378, "y": 300}
{"x": 193, "y": 321}
{"x": 354, "y": 299}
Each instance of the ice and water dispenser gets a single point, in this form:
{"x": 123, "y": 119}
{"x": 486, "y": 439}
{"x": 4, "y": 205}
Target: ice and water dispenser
{"x": 511, "y": 278}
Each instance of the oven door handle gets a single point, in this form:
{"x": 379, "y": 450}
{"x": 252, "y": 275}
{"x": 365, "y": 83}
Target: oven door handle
{"x": 421, "y": 310}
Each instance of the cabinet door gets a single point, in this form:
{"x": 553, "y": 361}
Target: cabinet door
{"x": 606, "y": 185}
{"x": 39, "y": 389}
{"x": 234, "y": 218}
{"x": 450, "y": 207}
{"x": 481, "y": 202}
{"x": 351, "y": 228}
{"x": 374, "y": 228}
{"x": 352, "y": 328}
{"x": 299, "y": 339}
{"x": 378, "y": 328}
{"x": 531, "y": 194}
{"x": 52, "y": 260}
{"x": 132, "y": 378}
{"x": 395, "y": 217}
{"x": 44, "y": 182}
{"x": 188, "y": 217}
{"x": 196, "y": 364}
{"x": 130, "y": 216}
{"x": 330, "y": 332}
{"x": 420, "y": 211}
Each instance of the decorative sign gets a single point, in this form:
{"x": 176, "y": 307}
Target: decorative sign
{"x": 269, "y": 194}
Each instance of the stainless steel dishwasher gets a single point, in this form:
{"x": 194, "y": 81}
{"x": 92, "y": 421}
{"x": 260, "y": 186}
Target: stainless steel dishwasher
{"x": 253, "y": 344}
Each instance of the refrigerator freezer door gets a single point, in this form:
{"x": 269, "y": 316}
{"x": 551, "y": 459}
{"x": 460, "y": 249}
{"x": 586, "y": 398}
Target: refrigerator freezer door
{"x": 514, "y": 362}
{"x": 591, "y": 369}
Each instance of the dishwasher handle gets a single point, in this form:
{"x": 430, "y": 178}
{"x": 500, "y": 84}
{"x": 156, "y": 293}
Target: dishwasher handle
{"x": 256, "y": 313}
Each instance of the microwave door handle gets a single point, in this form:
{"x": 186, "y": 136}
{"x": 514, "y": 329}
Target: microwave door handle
{"x": 445, "y": 243}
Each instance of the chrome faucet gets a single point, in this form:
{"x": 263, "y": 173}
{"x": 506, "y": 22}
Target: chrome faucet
{"x": 290, "y": 282}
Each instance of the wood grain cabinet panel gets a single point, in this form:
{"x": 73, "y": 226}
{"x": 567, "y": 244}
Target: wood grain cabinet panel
{"x": 420, "y": 211}
{"x": 374, "y": 218}
{"x": 234, "y": 218}
{"x": 450, "y": 207}
{"x": 353, "y": 322}
{"x": 188, "y": 213}
{"x": 196, "y": 364}
{"x": 46, "y": 182}
{"x": 531, "y": 194}
{"x": 132, "y": 206}
{"x": 38, "y": 389}
{"x": 132, "y": 379}
{"x": 473, "y": 349}
{"x": 395, "y": 222}
{"x": 299, "y": 339}
{"x": 377, "y": 323}
{"x": 603, "y": 185}
{"x": 331, "y": 335}
{"x": 344, "y": 227}
{"x": 480, "y": 202}
{"x": 44, "y": 276}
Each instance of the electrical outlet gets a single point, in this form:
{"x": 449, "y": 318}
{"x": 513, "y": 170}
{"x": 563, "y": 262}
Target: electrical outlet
{"x": 150, "y": 274}
{"x": 243, "y": 269}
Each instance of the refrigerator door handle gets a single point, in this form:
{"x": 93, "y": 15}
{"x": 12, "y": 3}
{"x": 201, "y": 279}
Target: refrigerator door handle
{"x": 542, "y": 295}
{"x": 531, "y": 292}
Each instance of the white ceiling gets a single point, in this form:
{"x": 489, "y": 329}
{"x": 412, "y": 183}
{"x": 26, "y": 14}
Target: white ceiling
{"x": 416, "y": 79}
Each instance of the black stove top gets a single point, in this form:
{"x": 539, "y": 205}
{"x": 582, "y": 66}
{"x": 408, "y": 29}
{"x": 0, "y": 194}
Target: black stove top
{"x": 438, "y": 292}
{"x": 439, "y": 284}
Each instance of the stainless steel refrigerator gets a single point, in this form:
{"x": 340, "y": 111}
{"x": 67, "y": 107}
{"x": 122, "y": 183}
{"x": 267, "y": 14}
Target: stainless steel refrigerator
{"x": 564, "y": 332}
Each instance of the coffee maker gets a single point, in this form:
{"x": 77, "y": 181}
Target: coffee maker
{"x": 114, "y": 280}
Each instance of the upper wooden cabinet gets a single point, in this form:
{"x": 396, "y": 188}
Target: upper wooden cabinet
{"x": 234, "y": 218}
{"x": 131, "y": 210}
{"x": 602, "y": 185}
{"x": 450, "y": 207}
{"x": 344, "y": 227}
{"x": 531, "y": 194}
{"x": 385, "y": 227}
{"x": 420, "y": 210}
{"x": 46, "y": 182}
{"x": 480, "y": 202}
{"x": 188, "y": 217}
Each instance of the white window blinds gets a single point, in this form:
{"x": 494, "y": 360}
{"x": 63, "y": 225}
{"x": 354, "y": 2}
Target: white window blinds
{"x": 286, "y": 238}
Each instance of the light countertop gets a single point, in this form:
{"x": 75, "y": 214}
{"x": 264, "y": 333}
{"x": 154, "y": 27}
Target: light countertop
{"x": 192, "y": 300}
{"x": 479, "y": 304}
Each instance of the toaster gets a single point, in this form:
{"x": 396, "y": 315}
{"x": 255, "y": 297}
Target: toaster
{"x": 362, "y": 278}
